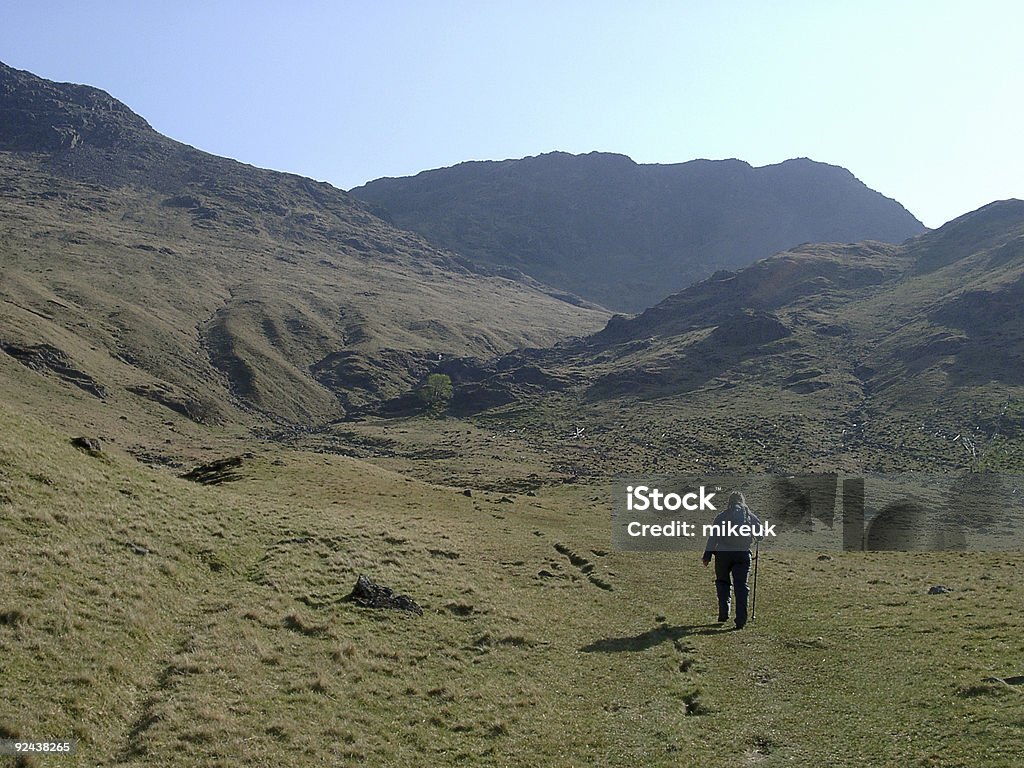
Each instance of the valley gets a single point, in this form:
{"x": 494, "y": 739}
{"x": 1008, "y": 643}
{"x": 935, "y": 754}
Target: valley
{"x": 218, "y": 409}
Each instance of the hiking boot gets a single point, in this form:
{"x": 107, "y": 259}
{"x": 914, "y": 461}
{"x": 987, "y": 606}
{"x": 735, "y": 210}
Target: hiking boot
{"x": 723, "y": 617}
{"x": 740, "y": 624}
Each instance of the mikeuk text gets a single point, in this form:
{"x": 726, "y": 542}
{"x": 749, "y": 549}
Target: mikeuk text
{"x": 683, "y": 528}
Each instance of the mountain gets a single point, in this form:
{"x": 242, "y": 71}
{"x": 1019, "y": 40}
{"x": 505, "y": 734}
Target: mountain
{"x": 143, "y": 276}
{"x": 867, "y": 356}
{"x": 168, "y": 300}
{"x": 626, "y": 235}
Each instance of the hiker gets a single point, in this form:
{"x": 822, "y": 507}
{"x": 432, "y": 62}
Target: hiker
{"x": 732, "y": 557}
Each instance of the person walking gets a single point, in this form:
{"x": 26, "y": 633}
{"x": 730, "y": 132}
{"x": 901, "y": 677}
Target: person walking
{"x": 732, "y": 555}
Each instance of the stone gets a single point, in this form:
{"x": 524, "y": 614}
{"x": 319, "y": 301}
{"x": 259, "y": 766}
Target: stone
{"x": 370, "y": 595}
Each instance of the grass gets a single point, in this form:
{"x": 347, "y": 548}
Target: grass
{"x": 228, "y": 642}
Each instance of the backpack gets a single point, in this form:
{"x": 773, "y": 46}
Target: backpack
{"x": 740, "y": 543}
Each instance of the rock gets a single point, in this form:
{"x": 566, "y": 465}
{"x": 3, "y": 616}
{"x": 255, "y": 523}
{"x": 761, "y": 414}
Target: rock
{"x": 216, "y": 472}
{"x": 939, "y": 589}
{"x": 748, "y": 328}
{"x": 90, "y": 445}
{"x": 12, "y": 618}
{"x": 824, "y": 558}
{"x": 45, "y": 358}
{"x": 160, "y": 393}
{"x": 1014, "y": 680}
{"x": 370, "y": 595}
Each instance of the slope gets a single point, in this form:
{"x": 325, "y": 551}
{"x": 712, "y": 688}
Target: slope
{"x": 157, "y": 621}
{"x": 856, "y": 357}
{"x": 627, "y": 235}
{"x": 142, "y": 277}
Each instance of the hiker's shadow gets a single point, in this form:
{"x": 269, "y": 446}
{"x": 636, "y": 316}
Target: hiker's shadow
{"x": 652, "y": 637}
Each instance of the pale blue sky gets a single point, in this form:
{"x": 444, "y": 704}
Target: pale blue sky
{"x": 920, "y": 100}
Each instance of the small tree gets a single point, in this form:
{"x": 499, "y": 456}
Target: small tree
{"x": 436, "y": 394}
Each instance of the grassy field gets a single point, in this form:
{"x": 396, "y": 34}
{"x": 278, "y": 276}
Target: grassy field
{"x": 162, "y": 622}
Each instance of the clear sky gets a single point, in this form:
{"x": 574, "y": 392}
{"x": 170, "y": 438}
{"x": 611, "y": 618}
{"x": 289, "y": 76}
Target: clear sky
{"x": 920, "y": 100}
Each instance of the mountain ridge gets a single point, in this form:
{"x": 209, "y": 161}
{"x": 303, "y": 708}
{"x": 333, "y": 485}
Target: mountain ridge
{"x": 625, "y": 234}
{"x": 39, "y": 114}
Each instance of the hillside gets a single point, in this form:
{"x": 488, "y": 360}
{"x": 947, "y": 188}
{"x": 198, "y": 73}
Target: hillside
{"x": 161, "y": 622}
{"x": 861, "y": 357}
{"x": 626, "y": 235}
{"x": 144, "y": 277}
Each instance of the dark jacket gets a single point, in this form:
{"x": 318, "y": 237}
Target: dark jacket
{"x": 722, "y": 542}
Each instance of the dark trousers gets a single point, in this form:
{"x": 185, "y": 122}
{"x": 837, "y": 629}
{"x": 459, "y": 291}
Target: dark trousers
{"x": 731, "y": 570}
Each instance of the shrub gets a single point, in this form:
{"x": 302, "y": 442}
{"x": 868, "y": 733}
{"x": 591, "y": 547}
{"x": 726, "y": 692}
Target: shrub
{"x": 436, "y": 393}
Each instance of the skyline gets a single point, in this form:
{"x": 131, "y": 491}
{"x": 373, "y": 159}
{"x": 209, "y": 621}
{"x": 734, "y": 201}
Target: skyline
{"x": 914, "y": 99}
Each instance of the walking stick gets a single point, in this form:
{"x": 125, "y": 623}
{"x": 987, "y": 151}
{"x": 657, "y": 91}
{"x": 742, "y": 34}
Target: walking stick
{"x": 753, "y": 604}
